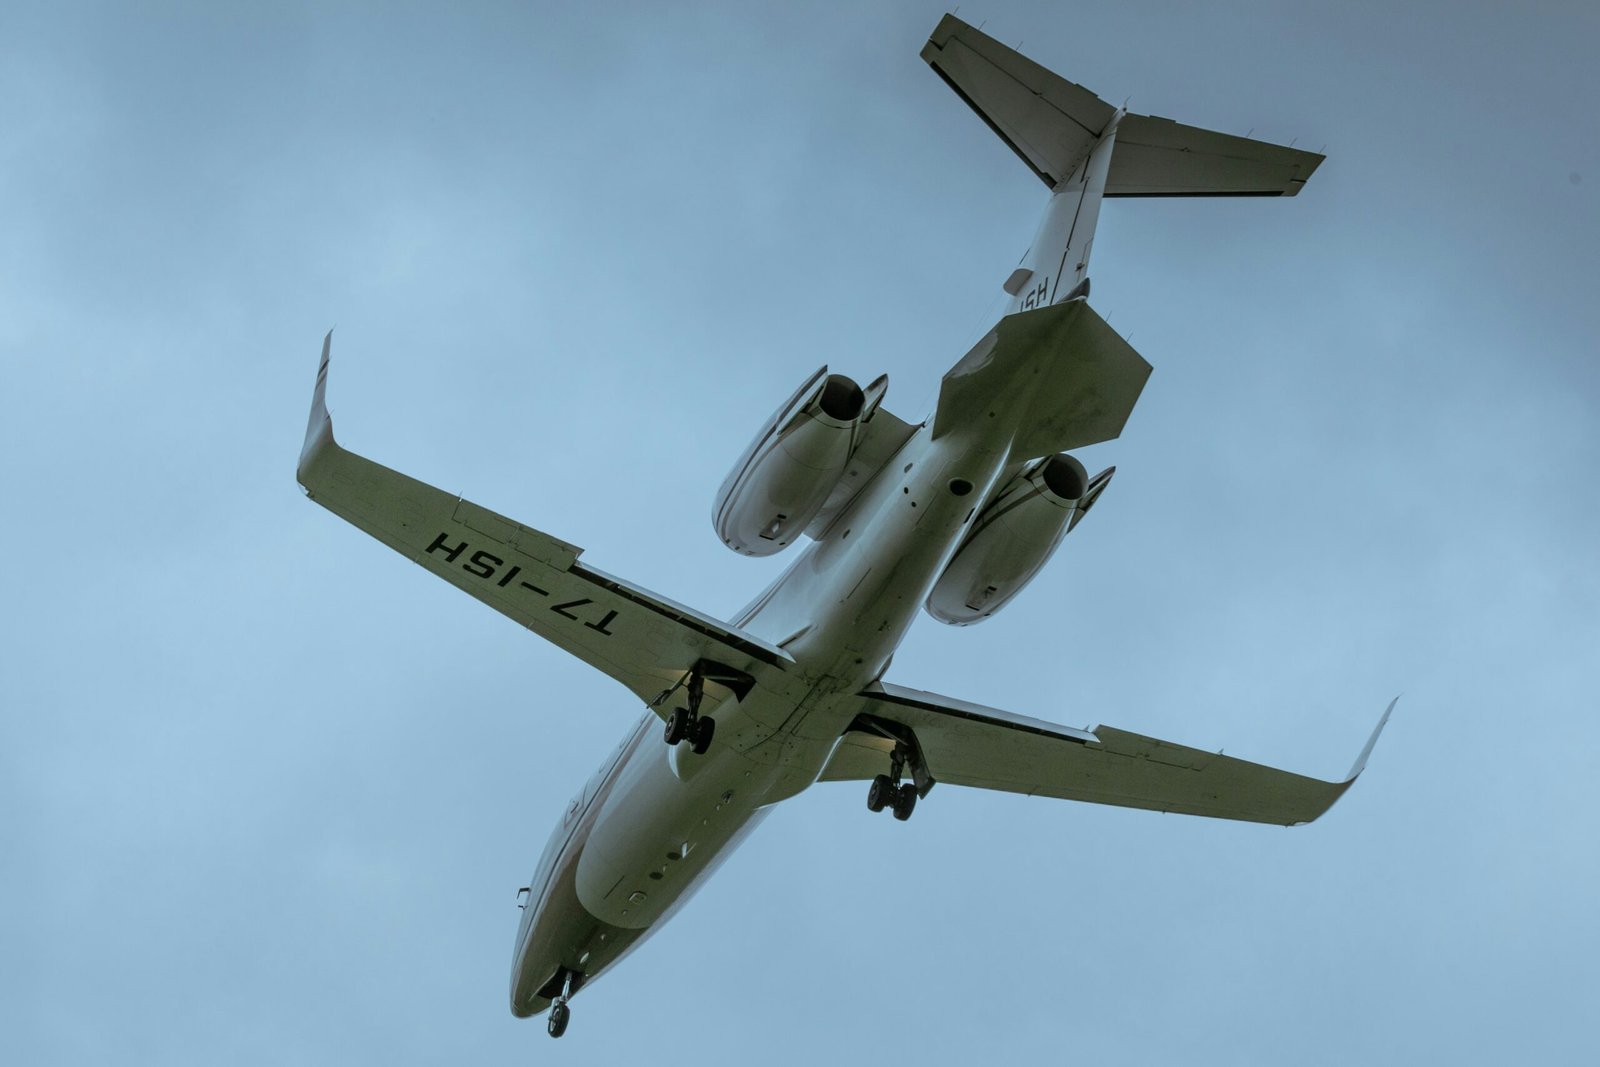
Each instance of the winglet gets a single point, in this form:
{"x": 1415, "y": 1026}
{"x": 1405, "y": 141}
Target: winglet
{"x": 319, "y": 429}
{"x": 1361, "y": 760}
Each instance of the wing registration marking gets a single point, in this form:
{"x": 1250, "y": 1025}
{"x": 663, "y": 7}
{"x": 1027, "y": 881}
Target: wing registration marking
{"x": 486, "y": 566}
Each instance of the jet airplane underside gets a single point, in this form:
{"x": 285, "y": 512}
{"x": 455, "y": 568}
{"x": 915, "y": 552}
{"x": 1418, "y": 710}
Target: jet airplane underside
{"x": 953, "y": 515}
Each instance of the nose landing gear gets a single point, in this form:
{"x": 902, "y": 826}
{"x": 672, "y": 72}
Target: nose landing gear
{"x": 560, "y": 1014}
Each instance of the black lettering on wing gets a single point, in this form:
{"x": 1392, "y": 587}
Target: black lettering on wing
{"x": 482, "y": 564}
{"x": 450, "y": 554}
{"x": 561, "y": 609}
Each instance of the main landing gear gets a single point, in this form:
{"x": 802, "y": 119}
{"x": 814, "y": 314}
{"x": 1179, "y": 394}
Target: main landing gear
{"x": 687, "y": 724}
{"x": 883, "y": 793}
{"x": 887, "y": 791}
{"x": 560, "y": 1014}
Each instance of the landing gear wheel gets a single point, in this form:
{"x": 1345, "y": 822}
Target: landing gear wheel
{"x": 686, "y": 723}
{"x": 905, "y": 801}
{"x": 881, "y": 793}
{"x": 703, "y": 729}
{"x": 679, "y": 724}
{"x": 560, "y": 1015}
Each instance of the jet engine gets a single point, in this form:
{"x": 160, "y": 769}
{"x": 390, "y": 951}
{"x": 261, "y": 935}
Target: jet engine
{"x": 1012, "y": 537}
{"x": 794, "y": 463}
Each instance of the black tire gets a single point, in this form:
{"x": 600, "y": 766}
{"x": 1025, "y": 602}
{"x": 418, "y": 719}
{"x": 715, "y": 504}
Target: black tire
{"x": 677, "y": 726}
{"x": 880, "y": 793}
{"x": 560, "y": 1015}
{"x": 704, "y": 728}
{"x": 905, "y": 802}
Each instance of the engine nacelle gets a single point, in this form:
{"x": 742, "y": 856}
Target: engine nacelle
{"x": 1012, "y": 537}
{"x": 787, "y": 473}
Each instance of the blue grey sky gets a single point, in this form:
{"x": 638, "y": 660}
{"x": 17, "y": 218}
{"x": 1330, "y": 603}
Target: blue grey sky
{"x": 267, "y": 790}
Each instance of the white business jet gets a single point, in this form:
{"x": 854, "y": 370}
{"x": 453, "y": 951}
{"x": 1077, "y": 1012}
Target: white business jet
{"x": 953, "y": 515}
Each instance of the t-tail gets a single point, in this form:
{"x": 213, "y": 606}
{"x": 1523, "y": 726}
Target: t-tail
{"x": 1085, "y": 149}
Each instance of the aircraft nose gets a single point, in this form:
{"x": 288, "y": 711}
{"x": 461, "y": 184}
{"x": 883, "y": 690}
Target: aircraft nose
{"x": 524, "y": 1002}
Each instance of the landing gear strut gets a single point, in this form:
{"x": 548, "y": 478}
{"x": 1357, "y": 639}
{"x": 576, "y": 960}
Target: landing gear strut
{"x": 687, "y": 724}
{"x": 560, "y": 1014}
{"x": 887, "y": 791}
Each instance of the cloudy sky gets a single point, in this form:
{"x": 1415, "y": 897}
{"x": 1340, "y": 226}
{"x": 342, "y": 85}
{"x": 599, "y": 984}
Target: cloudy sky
{"x": 267, "y": 790}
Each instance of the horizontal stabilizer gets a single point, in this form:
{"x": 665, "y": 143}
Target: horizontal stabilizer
{"x": 1052, "y": 124}
{"x": 1159, "y": 157}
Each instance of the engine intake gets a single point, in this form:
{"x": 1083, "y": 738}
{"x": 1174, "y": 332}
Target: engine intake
{"x": 1013, "y": 536}
{"x": 785, "y": 476}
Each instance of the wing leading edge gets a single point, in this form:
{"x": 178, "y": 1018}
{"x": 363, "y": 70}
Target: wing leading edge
{"x": 645, "y": 641}
{"x": 986, "y": 748}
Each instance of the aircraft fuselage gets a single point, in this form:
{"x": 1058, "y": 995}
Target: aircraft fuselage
{"x": 654, "y": 821}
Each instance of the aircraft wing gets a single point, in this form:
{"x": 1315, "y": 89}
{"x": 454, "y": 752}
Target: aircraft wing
{"x": 646, "y": 642}
{"x": 972, "y": 745}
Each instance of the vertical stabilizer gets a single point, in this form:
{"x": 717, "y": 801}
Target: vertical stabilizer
{"x": 1056, "y": 265}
